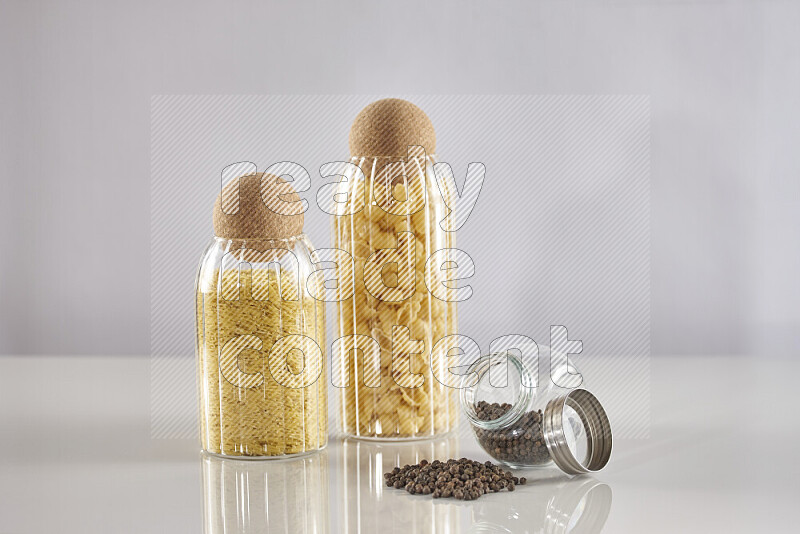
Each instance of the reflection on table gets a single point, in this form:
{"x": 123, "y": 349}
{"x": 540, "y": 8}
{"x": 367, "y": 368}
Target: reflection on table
{"x": 370, "y": 506}
{"x": 293, "y": 495}
{"x": 546, "y": 506}
{"x": 258, "y": 496}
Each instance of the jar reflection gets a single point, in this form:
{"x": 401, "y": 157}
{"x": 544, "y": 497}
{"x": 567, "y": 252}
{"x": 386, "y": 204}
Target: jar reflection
{"x": 577, "y": 506}
{"x": 369, "y": 506}
{"x": 246, "y": 496}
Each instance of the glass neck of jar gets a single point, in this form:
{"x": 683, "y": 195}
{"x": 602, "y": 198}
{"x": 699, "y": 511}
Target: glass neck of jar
{"x": 260, "y": 243}
{"x": 373, "y": 166}
{"x": 388, "y": 159}
{"x": 477, "y": 383}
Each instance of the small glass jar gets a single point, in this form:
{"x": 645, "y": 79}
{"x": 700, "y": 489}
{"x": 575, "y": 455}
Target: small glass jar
{"x": 522, "y": 420}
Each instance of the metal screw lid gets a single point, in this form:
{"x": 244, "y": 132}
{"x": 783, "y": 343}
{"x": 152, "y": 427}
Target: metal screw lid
{"x": 595, "y": 425}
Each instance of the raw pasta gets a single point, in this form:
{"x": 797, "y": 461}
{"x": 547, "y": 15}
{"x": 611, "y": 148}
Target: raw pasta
{"x": 245, "y": 411}
{"x": 409, "y": 402}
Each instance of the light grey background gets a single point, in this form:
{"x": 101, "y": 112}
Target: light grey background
{"x": 77, "y": 78}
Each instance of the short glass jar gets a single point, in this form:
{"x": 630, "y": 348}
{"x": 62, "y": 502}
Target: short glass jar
{"x": 524, "y": 420}
{"x": 260, "y": 337}
{"x": 260, "y": 326}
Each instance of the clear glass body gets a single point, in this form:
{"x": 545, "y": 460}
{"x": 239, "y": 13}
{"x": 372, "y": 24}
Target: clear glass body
{"x": 390, "y": 225}
{"x": 260, "y": 349}
{"x": 528, "y": 410}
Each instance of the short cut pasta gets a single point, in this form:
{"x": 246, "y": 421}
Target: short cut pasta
{"x": 391, "y": 303}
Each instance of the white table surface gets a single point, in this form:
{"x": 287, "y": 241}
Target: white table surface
{"x": 76, "y": 456}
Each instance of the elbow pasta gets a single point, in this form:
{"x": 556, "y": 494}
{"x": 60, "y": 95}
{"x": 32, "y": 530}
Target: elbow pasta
{"x": 409, "y": 402}
{"x": 245, "y": 411}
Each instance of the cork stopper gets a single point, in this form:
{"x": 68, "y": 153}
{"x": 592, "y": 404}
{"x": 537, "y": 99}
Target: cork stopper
{"x": 266, "y": 207}
{"x": 388, "y": 127}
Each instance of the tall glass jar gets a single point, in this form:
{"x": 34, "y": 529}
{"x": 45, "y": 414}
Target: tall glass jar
{"x": 260, "y": 336}
{"x": 393, "y": 307}
{"x": 391, "y": 224}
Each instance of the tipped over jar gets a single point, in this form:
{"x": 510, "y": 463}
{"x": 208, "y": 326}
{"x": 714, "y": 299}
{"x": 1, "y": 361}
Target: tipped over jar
{"x": 524, "y": 420}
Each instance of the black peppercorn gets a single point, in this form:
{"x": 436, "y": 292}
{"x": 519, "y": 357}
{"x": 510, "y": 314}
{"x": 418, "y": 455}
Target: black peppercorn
{"x": 522, "y": 443}
{"x": 461, "y": 479}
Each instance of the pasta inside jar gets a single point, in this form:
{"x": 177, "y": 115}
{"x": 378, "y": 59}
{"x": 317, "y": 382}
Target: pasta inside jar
{"x": 391, "y": 228}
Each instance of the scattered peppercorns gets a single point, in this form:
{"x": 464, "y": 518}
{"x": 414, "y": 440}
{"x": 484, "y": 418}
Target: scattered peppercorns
{"x": 461, "y": 479}
{"x": 521, "y": 443}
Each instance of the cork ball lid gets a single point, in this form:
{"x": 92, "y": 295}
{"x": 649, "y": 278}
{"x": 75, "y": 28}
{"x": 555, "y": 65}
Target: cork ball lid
{"x": 257, "y": 211}
{"x": 388, "y": 127}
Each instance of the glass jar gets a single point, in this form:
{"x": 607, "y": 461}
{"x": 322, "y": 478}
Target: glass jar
{"x": 391, "y": 226}
{"x": 260, "y": 336}
{"x": 524, "y": 420}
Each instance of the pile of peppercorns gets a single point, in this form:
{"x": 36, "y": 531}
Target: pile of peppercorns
{"x": 521, "y": 443}
{"x": 461, "y": 479}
